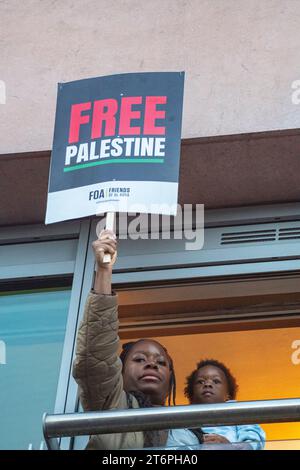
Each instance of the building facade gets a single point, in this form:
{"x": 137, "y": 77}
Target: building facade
{"x": 237, "y": 298}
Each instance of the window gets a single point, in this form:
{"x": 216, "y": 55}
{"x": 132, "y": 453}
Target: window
{"x": 32, "y": 332}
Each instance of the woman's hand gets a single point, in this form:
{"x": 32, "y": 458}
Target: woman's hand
{"x": 215, "y": 439}
{"x": 106, "y": 244}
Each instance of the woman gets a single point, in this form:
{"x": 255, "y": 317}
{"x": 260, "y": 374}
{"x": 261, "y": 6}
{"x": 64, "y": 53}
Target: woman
{"x": 212, "y": 382}
{"x": 143, "y": 375}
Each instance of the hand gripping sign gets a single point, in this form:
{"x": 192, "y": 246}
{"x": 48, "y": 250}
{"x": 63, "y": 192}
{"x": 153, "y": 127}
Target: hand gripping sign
{"x": 116, "y": 146}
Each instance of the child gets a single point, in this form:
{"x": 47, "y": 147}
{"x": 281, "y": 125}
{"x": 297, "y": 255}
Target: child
{"x": 212, "y": 382}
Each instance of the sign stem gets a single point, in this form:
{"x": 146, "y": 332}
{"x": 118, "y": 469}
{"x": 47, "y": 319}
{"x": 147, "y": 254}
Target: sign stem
{"x": 109, "y": 225}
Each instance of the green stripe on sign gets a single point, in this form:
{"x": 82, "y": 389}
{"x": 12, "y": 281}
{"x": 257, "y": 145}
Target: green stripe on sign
{"x": 114, "y": 160}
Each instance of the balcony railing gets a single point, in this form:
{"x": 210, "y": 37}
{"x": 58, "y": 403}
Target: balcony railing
{"x": 191, "y": 416}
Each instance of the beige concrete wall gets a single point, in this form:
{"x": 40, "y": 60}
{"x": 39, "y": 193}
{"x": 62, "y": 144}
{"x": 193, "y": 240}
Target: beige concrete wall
{"x": 240, "y": 59}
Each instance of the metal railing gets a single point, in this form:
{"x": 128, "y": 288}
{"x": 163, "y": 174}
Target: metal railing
{"x": 144, "y": 419}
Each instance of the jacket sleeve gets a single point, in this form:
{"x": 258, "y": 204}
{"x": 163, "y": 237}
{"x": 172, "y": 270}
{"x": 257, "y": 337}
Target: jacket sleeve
{"x": 97, "y": 368}
{"x": 252, "y": 434}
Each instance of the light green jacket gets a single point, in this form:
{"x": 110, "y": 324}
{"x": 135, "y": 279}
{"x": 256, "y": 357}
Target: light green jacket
{"x": 98, "y": 369}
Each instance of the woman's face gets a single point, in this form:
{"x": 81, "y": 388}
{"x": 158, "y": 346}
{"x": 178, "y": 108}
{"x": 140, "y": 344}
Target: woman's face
{"x": 147, "y": 370}
{"x": 210, "y": 386}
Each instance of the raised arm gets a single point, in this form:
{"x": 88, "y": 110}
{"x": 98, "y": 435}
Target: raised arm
{"x": 97, "y": 368}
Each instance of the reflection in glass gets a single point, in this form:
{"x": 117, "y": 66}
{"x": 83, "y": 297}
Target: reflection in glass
{"x": 32, "y": 328}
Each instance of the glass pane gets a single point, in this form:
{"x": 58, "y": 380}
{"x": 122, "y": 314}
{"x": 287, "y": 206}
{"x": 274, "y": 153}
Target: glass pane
{"x": 265, "y": 363}
{"x": 32, "y": 331}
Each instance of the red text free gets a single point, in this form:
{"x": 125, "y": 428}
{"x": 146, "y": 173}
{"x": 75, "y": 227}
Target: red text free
{"x": 103, "y": 122}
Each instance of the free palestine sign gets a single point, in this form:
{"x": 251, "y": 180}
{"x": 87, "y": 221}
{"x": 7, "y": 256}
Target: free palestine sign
{"x": 116, "y": 146}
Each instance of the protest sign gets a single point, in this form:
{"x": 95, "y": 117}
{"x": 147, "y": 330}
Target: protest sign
{"x": 116, "y": 146}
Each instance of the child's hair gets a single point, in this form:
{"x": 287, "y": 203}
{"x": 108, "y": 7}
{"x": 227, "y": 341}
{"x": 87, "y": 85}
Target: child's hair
{"x": 231, "y": 381}
{"x": 172, "y": 386}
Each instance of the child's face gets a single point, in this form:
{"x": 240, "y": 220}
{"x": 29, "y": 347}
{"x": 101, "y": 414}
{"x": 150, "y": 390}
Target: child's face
{"x": 210, "y": 386}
